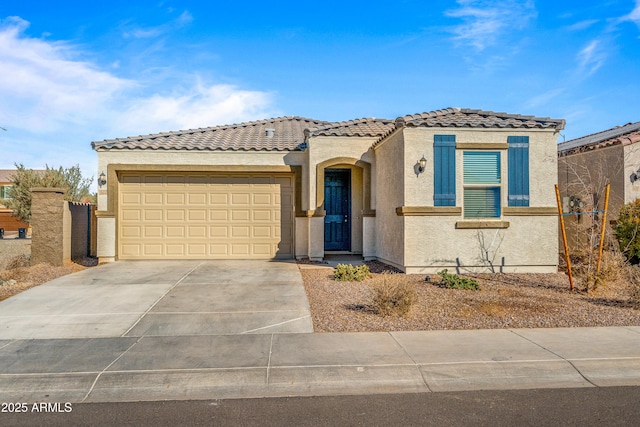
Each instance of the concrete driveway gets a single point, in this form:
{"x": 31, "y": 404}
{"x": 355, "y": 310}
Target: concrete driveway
{"x": 162, "y": 298}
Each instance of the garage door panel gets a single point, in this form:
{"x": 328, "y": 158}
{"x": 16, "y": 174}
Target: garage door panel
{"x": 131, "y": 250}
{"x": 131, "y": 231}
{"x": 152, "y": 214}
{"x": 131, "y": 215}
{"x": 173, "y": 249}
{"x": 175, "y": 199}
{"x": 205, "y": 216}
{"x": 240, "y": 198}
{"x": 152, "y": 249}
{"x": 197, "y": 199}
{"x": 153, "y": 231}
{"x": 220, "y": 199}
{"x": 153, "y": 198}
{"x": 219, "y": 232}
{"x": 218, "y": 215}
{"x": 261, "y": 215}
{"x": 176, "y": 214}
{"x": 131, "y": 199}
{"x": 240, "y": 215}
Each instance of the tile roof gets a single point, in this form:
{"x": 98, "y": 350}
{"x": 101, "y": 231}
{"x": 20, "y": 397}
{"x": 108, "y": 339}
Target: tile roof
{"x": 290, "y": 132}
{"x": 5, "y": 174}
{"x": 287, "y": 133}
{"x": 357, "y": 127}
{"x": 468, "y": 118}
{"x": 627, "y": 134}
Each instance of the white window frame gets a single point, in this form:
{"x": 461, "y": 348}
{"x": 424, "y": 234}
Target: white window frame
{"x": 483, "y": 185}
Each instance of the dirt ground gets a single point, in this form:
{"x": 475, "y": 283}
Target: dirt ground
{"x": 503, "y": 301}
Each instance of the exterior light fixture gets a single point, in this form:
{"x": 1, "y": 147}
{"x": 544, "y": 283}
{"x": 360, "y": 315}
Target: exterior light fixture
{"x": 422, "y": 164}
{"x": 102, "y": 180}
{"x": 635, "y": 176}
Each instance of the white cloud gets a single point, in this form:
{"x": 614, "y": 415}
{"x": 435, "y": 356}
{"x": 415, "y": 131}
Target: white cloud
{"x": 544, "y": 99}
{"x": 484, "y": 21}
{"x": 634, "y": 15}
{"x": 591, "y": 57}
{"x": 582, "y": 25}
{"x": 183, "y": 20}
{"x": 55, "y": 102}
{"x": 200, "y": 106}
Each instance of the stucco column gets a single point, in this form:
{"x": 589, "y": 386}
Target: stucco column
{"x": 51, "y": 227}
{"x": 106, "y": 247}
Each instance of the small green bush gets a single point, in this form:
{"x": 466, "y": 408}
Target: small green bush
{"x": 393, "y": 295}
{"x": 348, "y": 272}
{"x": 453, "y": 281}
{"x": 627, "y": 230}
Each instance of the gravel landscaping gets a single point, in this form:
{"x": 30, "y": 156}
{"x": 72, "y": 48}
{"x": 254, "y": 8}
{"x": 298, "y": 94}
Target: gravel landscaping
{"x": 17, "y": 275}
{"x": 503, "y": 301}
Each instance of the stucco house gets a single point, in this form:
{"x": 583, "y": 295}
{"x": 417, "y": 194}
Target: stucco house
{"x": 455, "y": 188}
{"x": 590, "y": 162}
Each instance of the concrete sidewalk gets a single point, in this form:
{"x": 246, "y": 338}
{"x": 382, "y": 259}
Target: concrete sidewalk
{"x": 302, "y": 364}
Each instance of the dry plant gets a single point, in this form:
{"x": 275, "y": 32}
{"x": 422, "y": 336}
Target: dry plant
{"x": 393, "y": 294}
{"x": 18, "y": 261}
{"x": 633, "y": 277}
{"x": 585, "y": 180}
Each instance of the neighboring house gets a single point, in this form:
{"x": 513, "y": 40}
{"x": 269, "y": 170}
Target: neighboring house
{"x": 7, "y": 220}
{"x": 587, "y": 164}
{"x": 296, "y": 187}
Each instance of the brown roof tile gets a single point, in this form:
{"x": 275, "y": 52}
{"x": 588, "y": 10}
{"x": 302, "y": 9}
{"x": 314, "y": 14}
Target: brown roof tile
{"x": 357, "y": 127}
{"x": 625, "y": 135}
{"x": 465, "y": 117}
{"x": 287, "y": 133}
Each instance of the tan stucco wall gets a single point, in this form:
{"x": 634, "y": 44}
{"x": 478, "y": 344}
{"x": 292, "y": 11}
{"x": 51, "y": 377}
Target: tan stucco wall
{"x": 438, "y": 240}
{"x": 390, "y": 192}
{"x": 528, "y": 244}
{"x": 631, "y": 165}
{"x": 51, "y": 222}
{"x": 323, "y": 149}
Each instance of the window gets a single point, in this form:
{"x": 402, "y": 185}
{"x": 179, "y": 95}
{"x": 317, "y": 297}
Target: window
{"x": 481, "y": 184}
{"x": 4, "y": 191}
{"x": 444, "y": 170}
{"x": 518, "y": 170}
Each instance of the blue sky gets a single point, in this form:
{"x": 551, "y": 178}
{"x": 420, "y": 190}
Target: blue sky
{"x": 72, "y": 72}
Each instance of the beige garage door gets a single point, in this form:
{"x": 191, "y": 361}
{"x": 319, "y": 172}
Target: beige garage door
{"x": 205, "y": 216}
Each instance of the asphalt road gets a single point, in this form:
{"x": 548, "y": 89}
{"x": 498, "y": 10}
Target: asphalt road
{"x": 611, "y": 406}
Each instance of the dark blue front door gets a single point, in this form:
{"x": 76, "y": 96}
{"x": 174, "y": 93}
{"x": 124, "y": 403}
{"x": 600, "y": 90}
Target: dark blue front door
{"x": 337, "y": 204}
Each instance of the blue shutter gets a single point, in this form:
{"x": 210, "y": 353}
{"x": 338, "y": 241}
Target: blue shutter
{"x": 444, "y": 170}
{"x": 518, "y": 170}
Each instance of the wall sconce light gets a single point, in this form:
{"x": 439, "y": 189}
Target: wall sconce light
{"x": 635, "y": 176}
{"x": 422, "y": 164}
{"x": 102, "y": 180}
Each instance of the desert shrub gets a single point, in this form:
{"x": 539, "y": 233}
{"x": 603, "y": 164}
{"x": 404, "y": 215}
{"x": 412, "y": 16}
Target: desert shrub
{"x": 627, "y": 230}
{"x": 633, "y": 279}
{"x": 18, "y": 261}
{"x": 584, "y": 265}
{"x": 393, "y": 294}
{"x": 453, "y": 281}
{"x": 348, "y": 272}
